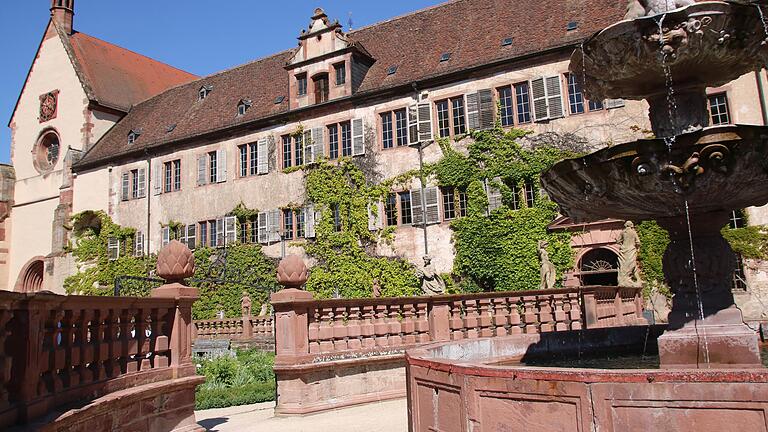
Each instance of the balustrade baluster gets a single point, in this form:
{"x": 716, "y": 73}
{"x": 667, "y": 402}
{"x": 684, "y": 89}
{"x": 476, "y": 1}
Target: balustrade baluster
{"x": 381, "y": 326}
{"x": 471, "y": 319}
{"x": 457, "y": 322}
{"x": 422, "y": 323}
{"x": 313, "y": 315}
{"x": 325, "y": 331}
{"x": 500, "y": 316}
{"x": 560, "y": 315}
{"x": 340, "y": 329}
{"x": 367, "y": 328}
{"x": 485, "y": 320}
{"x": 515, "y": 319}
{"x": 353, "y": 328}
{"x": 409, "y": 324}
{"x": 546, "y": 318}
{"x": 530, "y": 317}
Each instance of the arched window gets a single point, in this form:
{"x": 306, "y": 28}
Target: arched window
{"x": 599, "y": 267}
{"x": 31, "y": 276}
{"x": 46, "y": 151}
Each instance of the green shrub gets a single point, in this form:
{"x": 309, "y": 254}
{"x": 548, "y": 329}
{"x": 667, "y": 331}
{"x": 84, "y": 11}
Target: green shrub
{"x": 207, "y": 398}
{"x": 246, "y": 378}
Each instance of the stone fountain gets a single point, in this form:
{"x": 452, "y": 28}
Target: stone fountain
{"x": 688, "y": 179}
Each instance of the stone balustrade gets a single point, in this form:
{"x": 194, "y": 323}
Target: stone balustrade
{"x": 234, "y": 328}
{"x": 340, "y": 352}
{"x": 80, "y": 363}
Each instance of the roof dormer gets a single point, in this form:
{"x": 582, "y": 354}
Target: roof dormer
{"x": 321, "y": 68}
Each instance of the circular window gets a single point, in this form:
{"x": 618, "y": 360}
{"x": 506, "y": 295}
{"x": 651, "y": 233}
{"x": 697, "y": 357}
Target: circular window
{"x": 47, "y": 151}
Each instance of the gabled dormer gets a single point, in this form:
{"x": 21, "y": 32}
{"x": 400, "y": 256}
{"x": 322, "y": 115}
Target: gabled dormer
{"x": 326, "y": 66}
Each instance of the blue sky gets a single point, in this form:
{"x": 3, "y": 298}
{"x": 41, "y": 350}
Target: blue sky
{"x": 193, "y": 35}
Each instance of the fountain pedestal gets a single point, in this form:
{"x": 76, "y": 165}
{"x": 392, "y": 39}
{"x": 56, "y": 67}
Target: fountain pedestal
{"x": 705, "y": 327}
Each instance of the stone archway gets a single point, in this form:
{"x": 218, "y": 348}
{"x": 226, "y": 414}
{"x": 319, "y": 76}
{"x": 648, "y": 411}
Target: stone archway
{"x": 599, "y": 267}
{"x": 31, "y": 276}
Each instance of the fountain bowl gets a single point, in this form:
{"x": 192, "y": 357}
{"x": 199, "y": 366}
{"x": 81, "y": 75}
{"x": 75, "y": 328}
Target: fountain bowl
{"x": 460, "y": 386}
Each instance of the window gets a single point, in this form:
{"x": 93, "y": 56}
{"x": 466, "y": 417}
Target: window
{"x": 333, "y": 141}
{"x": 515, "y": 203}
{"x": 507, "y": 110}
{"x": 113, "y": 248}
{"x": 523, "y": 103}
{"x": 243, "y": 160}
{"x": 346, "y": 139}
{"x": 287, "y": 162}
{"x": 575, "y": 98}
{"x": 390, "y": 209}
{"x": 133, "y": 184}
{"x": 336, "y": 217}
{"x": 449, "y": 203}
{"x": 462, "y": 203}
{"x": 401, "y": 129}
{"x": 450, "y": 117}
{"x": 341, "y": 73}
{"x": 204, "y": 92}
{"x": 46, "y": 152}
{"x": 530, "y": 194}
{"x": 737, "y": 219}
{"x": 739, "y": 282}
{"x": 288, "y": 224}
{"x": 203, "y": 228}
{"x": 298, "y": 150}
{"x": 293, "y": 151}
{"x": 250, "y": 155}
{"x": 301, "y": 84}
{"x": 138, "y": 244}
{"x": 387, "y": 134}
{"x": 405, "y": 208}
{"x": 212, "y": 167}
{"x": 321, "y": 88}
{"x": 595, "y": 105}
{"x": 172, "y": 176}
{"x": 300, "y": 223}
{"x": 242, "y": 107}
{"x": 718, "y": 109}
{"x": 132, "y": 137}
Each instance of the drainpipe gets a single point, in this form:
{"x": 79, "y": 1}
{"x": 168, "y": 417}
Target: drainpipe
{"x": 761, "y": 96}
{"x": 423, "y": 182}
{"x": 149, "y": 210}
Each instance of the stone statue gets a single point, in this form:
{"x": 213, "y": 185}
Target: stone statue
{"x": 376, "y": 288}
{"x": 264, "y": 310}
{"x": 629, "y": 242}
{"x": 245, "y": 304}
{"x": 643, "y": 8}
{"x": 431, "y": 282}
{"x": 548, "y": 271}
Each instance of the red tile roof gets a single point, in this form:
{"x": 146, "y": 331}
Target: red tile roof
{"x": 472, "y": 30}
{"x": 119, "y": 78}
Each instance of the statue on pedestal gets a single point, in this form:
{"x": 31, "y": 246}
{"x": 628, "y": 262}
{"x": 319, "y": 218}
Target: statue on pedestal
{"x": 629, "y": 243}
{"x": 376, "y": 288}
{"x": 264, "y": 309}
{"x": 548, "y": 271}
{"x": 431, "y": 282}
{"x": 245, "y": 304}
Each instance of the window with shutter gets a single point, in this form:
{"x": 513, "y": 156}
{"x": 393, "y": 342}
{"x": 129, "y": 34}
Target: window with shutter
{"x": 473, "y": 111}
{"x": 166, "y": 236}
{"x": 138, "y": 244}
{"x": 125, "y": 187}
{"x": 202, "y": 165}
{"x": 274, "y": 225}
{"x": 425, "y": 121}
{"x": 539, "y": 94}
{"x": 221, "y": 165}
{"x": 555, "y": 97}
{"x": 113, "y": 248}
{"x": 263, "y": 227}
{"x": 432, "y": 198}
{"x": 142, "y": 182}
{"x": 192, "y": 236}
{"x": 220, "y": 233}
{"x": 318, "y": 143}
{"x": 157, "y": 169}
{"x": 487, "y": 109}
{"x": 358, "y": 137}
{"x": 262, "y": 153}
{"x": 230, "y": 230}
{"x": 309, "y": 147}
{"x": 416, "y": 209}
{"x": 494, "y": 195}
{"x": 413, "y": 124}
{"x": 309, "y": 220}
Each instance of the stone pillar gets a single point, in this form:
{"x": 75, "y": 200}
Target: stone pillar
{"x": 175, "y": 263}
{"x": 291, "y": 312}
{"x": 590, "y": 308}
{"x": 439, "y": 320}
{"x": 720, "y": 338}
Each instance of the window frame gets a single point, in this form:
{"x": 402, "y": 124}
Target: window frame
{"x": 573, "y": 87}
{"x": 324, "y": 91}
{"x": 399, "y": 127}
{"x": 506, "y": 111}
{"x": 518, "y": 104}
{"x": 340, "y": 78}
{"x": 302, "y": 84}
{"x": 453, "y": 126}
{"x": 713, "y": 97}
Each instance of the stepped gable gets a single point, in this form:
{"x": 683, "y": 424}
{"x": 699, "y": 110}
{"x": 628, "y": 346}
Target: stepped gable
{"x": 471, "y": 30}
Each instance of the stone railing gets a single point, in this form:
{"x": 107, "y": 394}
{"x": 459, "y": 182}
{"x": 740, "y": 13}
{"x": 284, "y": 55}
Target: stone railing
{"x": 325, "y": 348}
{"x": 234, "y": 328}
{"x": 111, "y": 357}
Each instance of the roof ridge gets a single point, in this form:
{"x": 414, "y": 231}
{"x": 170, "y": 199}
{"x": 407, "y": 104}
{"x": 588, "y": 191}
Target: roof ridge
{"x": 138, "y": 54}
{"x": 405, "y": 15}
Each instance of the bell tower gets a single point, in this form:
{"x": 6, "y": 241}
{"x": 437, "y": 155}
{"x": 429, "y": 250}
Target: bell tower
{"x": 63, "y": 12}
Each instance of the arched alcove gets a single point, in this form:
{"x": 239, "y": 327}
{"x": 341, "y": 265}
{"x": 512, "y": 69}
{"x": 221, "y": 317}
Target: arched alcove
{"x": 599, "y": 266}
{"x": 31, "y": 276}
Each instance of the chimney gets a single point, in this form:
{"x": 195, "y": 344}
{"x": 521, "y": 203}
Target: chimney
{"x": 63, "y": 12}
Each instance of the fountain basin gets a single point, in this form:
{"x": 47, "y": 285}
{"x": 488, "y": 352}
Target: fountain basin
{"x": 459, "y": 386}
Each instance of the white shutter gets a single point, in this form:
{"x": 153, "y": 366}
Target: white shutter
{"x": 358, "y": 137}
{"x": 416, "y": 210}
{"x": 113, "y": 248}
{"x": 554, "y": 89}
{"x": 191, "y": 236}
{"x": 142, "y": 182}
{"x": 425, "y": 121}
{"x": 494, "y": 196}
{"x": 262, "y": 156}
{"x": 157, "y": 168}
{"x": 432, "y": 198}
{"x": 125, "y": 187}
{"x": 263, "y": 222}
{"x": 473, "y": 111}
{"x": 613, "y": 103}
{"x": 487, "y": 109}
{"x": 202, "y": 171}
{"x": 221, "y": 165}
{"x": 138, "y": 244}
{"x": 539, "y": 97}
{"x": 166, "y": 236}
{"x": 309, "y": 221}
{"x": 220, "y": 232}
{"x": 318, "y": 143}
{"x": 230, "y": 229}
{"x": 274, "y": 225}
{"x": 375, "y": 216}
{"x": 413, "y": 124}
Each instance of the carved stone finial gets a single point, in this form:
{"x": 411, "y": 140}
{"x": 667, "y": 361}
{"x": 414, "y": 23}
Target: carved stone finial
{"x": 319, "y": 13}
{"x": 292, "y": 272}
{"x": 175, "y": 262}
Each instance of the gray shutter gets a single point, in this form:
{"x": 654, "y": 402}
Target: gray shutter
{"x": 494, "y": 196}
{"x": 230, "y": 229}
{"x": 309, "y": 148}
{"x": 262, "y": 154}
{"x": 202, "y": 170}
{"x": 318, "y": 143}
{"x": 192, "y": 236}
{"x": 309, "y": 221}
{"x": 555, "y": 97}
{"x": 125, "y": 187}
{"x": 413, "y": 124}
{"x": 358, "y": 137}
{"x": 166, "y": 236}
{"x": 416, "y": 210}
{"x": 113, "y": 248}
{"x": 274, "y": 225}
{"x": 158, "y": 186}
{"x": 220, "y": 232}
{"x": 221, "y": 165}
{"x": 432, "y": 198}
{"x": 613, "y": 103}
{"x": 142, "y": 182}
{"x": 487, "y": 108}
{"x": 425, "y": 121}
{"x": 473, "y": 111}
{"x": 263, "y": 222}
{"x": 539, "y": 97}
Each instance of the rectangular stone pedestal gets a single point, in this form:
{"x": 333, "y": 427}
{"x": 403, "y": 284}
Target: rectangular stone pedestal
{"x": 710, "y": 346}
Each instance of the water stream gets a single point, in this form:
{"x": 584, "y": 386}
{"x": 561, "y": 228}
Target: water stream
{"x": 696, "y": 284}
{"x": 762, "y": 18}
